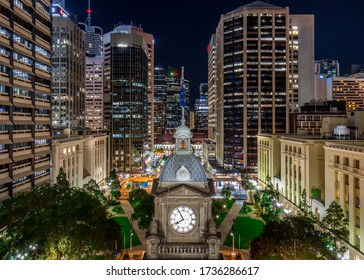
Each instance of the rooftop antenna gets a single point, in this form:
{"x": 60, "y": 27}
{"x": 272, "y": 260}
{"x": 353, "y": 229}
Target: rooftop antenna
{"x": 89, "y": 11}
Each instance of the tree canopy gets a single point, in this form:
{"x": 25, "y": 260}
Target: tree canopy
{"x": 143, "y": 204}
{"x": 294, "y": 237}
{"x": 56, "y": 222}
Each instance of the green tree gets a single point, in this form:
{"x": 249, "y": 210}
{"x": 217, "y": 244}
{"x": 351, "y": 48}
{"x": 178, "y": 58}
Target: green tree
{"x": 54, "y": 222}
{"x": 217, "y": 206}
{"x": 113, "y": 183}
{"x": 227, "y": 191}
{"x": 294, "y": 237}
{"x": 304, "y": 207}
{"x": 94, "y": 189}
{"x": 62, "y": 180}
{"x": 135, "y": 196}
{"x": 144, "y": 211}
{"x": 337, "y": 224}
{"x": 269, "y": 211}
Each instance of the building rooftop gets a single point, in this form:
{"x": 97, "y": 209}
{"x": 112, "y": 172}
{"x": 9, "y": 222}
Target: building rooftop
{"x": 256, "y": 5}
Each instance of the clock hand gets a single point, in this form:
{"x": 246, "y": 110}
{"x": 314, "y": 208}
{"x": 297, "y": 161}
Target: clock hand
{"x": 181, "y": 215}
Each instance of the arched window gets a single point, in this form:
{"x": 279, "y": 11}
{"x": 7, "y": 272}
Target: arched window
{"x": 183, "y": 145}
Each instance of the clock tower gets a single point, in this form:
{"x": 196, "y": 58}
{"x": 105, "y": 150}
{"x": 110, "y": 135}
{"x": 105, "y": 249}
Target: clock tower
{"x": 183, "y": 227}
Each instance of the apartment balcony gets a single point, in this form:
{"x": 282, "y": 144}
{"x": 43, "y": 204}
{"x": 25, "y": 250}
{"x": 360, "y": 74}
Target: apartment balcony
{"x": 23, "y": 14}
{"x": 43, "y": 134}
{"x": 45, "y": 2}
{"x": 42, "y": 150}
{"x": 22, "y": 101}
{"x": 4, "y": 99}
{"x": 42, "y": 179}
{"x": 4, "y": 176}
{"x": 43, "y": 165}
{"x": 43, "y": 28}
{"x": 25, "y": 67}
{"x": 23, "y": 83}
{"x": 22, "y": 187}
{"x": 22, "y": 118}
{"x": 5, "y": 3}
{"x": 28, "y": 2}
{"x": 42, "y": 103}
{"x": 4, "y": 58}
{"x": 43, "y": 59}
{"x": 41, "y": 88}
{"x": 42, "y": 119}
{"x": 4, "y": 118}
{"x": 4, "y": 40}
{"x": 4, "y": 79}
{"x": 4, "y": 21}
{"x": 23, "y": 31}
{"x": 20, "y": 136}
{"x": 43, "y": 13}
{"x": 44, "y": 44}
{"x": 43, "y": 74}
{"x": 22, "y": 154}
{"x": 23, "y": 49}
{"x": 4, "y": 156}
{"x": 4, "y": 139}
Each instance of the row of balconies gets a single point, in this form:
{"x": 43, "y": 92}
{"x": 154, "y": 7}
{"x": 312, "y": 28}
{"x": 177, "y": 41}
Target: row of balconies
{"x": 23, "y": 101}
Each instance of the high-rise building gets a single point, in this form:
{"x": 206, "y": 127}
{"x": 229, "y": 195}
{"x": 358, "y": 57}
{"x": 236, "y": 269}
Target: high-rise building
{"x": 25, "y": 95}
{"x": 94, "y": 83}
{"x": 173, "y": 108}
{"x": 264, "y": 69}
{"x": 126, "y": 77}
{"x": 201, "y": 110}
{"x": 94, "y": 107}
{"x": 329, "y": 67}
{"x": 160, "y": 99}
{"x": 350, "y": 89}
{"x": 212, "y": 88}
{"x": 68, "y": 70}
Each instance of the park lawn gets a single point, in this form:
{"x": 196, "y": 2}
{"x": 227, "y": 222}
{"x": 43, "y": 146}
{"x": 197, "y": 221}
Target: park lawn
{"x": 118, "y": 210}
{"x": 248, "y": 228}
{"x": 245, "y": 210}
{"x": 125, "y": 232}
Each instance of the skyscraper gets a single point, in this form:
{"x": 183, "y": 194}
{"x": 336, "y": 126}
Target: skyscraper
{"x": 201, "y": 110}
{"x": 212, "y": 87}
{"x": 160, "y": 99}
{"x": 126, "y": 77}
{"x": 94, "y": 107}
{"x": 25, "y": 95}
{"x": 68, "y": 70}
{"x": 259, "y": 52}
{"x": 94, "y": 46}
{"x": 173, "y": 108}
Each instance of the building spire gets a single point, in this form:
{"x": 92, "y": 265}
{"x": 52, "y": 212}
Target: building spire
{"x": 89, "y": 11}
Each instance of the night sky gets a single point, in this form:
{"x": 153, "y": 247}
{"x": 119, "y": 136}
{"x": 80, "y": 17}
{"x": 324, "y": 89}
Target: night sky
{"x": 182, "y": 29}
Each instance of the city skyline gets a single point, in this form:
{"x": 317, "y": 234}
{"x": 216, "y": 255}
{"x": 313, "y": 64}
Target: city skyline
{"x": 186, "y": 29}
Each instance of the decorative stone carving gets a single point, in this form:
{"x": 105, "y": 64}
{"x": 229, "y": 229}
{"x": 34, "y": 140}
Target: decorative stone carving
{"x": 183, "y": 175}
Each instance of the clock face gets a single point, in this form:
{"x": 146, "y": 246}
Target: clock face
{"x": 183, "y": 219}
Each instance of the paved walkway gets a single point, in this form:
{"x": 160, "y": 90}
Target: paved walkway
{"x": 226, "y": 224}
{"x": 128, "y": 212}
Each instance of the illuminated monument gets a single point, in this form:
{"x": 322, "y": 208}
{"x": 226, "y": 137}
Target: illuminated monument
{"x": 183, "y": 227}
